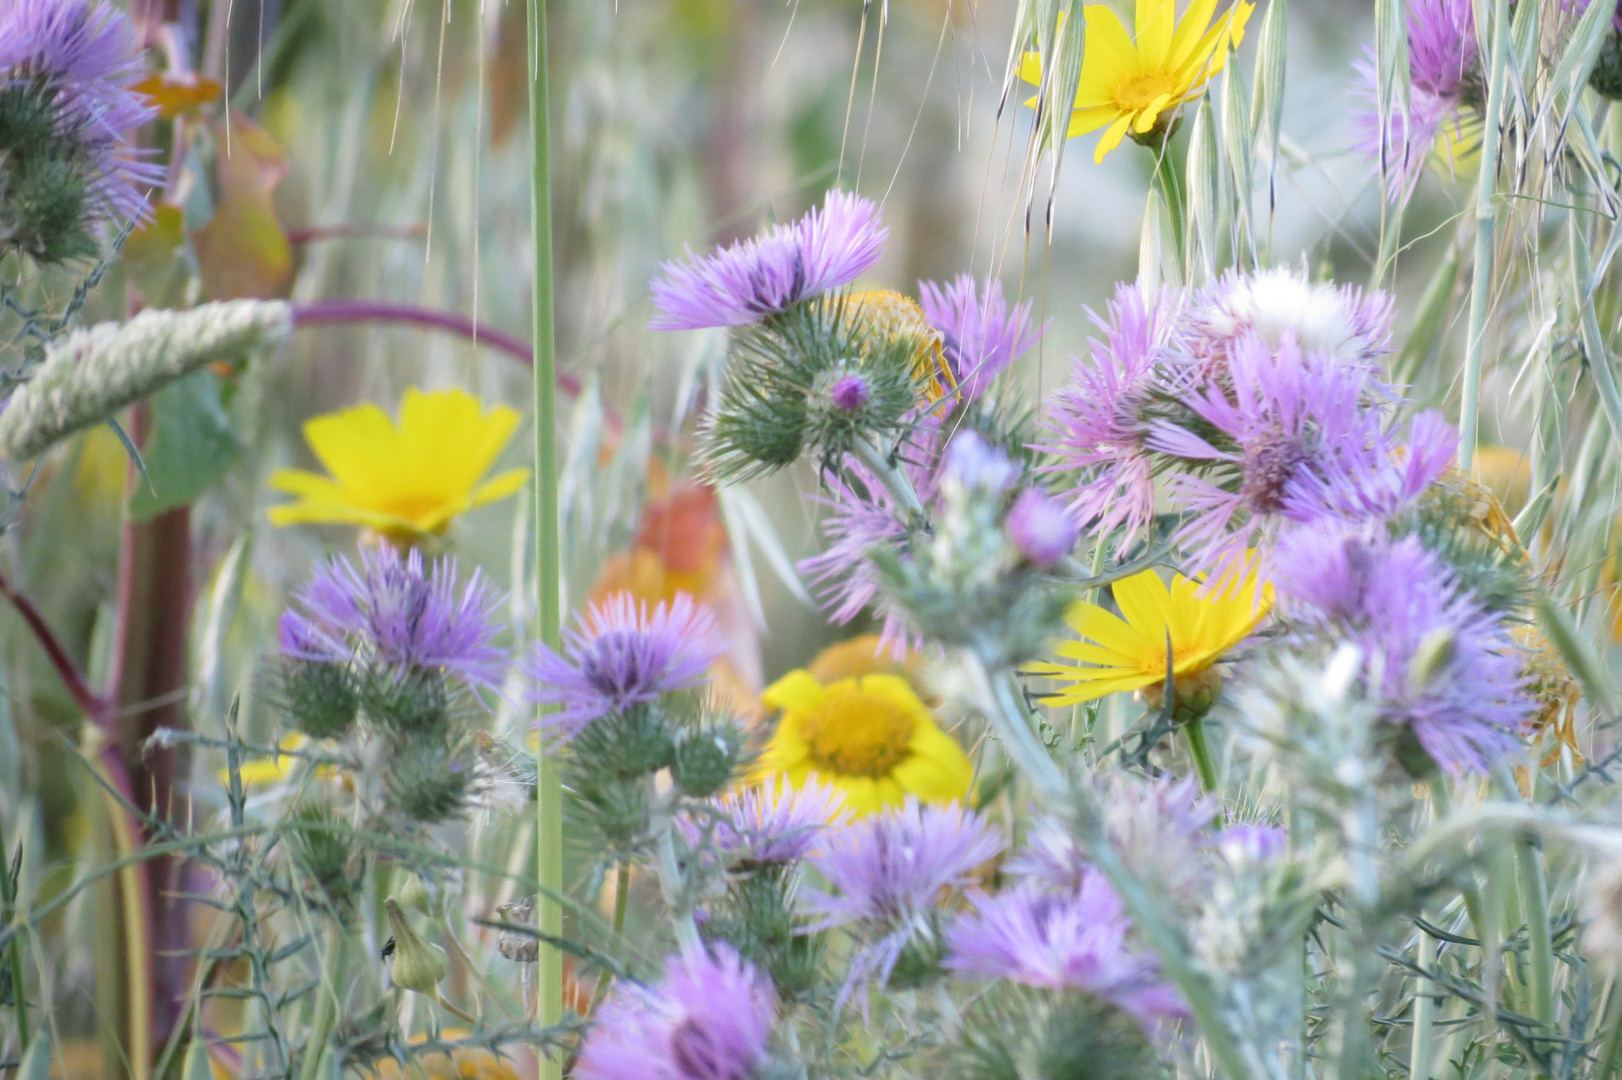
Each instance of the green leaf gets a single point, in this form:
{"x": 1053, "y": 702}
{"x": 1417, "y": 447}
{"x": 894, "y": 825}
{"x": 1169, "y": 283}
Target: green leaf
{"x": 191, "y": 445}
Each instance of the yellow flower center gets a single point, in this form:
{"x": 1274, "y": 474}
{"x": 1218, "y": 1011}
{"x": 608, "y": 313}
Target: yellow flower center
{"x": 853, "y": 733}
{"x": 1140, "y": 91}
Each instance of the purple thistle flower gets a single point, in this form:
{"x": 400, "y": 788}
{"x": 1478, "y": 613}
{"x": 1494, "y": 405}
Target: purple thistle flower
{"x": 1306, "y": 446}
{"x": 773, "y": 822}
{"x": 1444, "y": 65}
{"x": 765, "y": 275}
{"x": 1076, "y": 941}
{"x": 709, "y": 1019}
{"x": 1338, "y": 320}
{"x": 623, "y": 655}
{"x": 891, "y": 867}
{"x": 1097, "y": 424}
{"x": 87, "y": 55}
{"x": 1041, "y": 528}
{"x": 303, "y": 639}
{"x": 982, "y": 336}
{"x": 1443, "y": 666}
{"x": 396, "y": 612}
{"x": 1250, "y": 842}
{"x": 973, "y": 464}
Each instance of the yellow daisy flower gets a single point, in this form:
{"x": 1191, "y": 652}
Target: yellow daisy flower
{"x": 867, "y": 736}
{"x": 406, "y": 480}
{"x": 1127, "y": 86}
{"x": 265, "y": 771}
{"x": 1130, "y": 653}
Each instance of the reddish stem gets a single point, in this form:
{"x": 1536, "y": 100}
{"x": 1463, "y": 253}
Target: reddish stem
{"x": 89, "y": 702}
{"x": 351, "y": 312}
{"x": 356, "y": 232}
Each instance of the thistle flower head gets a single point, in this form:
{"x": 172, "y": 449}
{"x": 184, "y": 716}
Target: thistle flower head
{"x": 66, "y": 69}
{"x": 772, "y": 822}
{"x": 400, "y": 613}
{"x": 1336, "y": 320}
{"x": 621, "y": 655}
{"x": 1098, "y": 424}
{"x": 983, "y": 336}
{"x": 710, "y": 1018}
{"x": 1300, "y": 443}
{"x": 1441, "y": 666}
{"x": 891, "y": 867}
{"x": 754, "y": 279}
{"x": 1444, "y": 67}
{"x": 1075, "y": 941}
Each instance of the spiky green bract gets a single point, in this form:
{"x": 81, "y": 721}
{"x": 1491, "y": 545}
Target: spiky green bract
{"x": 1453, "y": 524}
{"x": 321, "y": 698}
{"x": 427, "y": 781}
{"x": 627, "y": 744}
{"x": 321, "y": 848}
{"x": 410, "y": 702}
{"x": 756, "y": 917}
{"x": 615, "y": 812}
{"x": 706, "y": 758}
{"x": 787, "y": 390}
{"x": 1018, "y": 1034}
{"x": 44, "y": 194}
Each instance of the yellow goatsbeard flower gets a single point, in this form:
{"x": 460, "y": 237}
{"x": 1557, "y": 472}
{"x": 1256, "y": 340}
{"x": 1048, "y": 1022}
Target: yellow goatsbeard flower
{"x": 1130, "y": 654}
{"x": 1127, "y": 85}
{"x": 868, "y": 736}
{"x": 406, "y": 480}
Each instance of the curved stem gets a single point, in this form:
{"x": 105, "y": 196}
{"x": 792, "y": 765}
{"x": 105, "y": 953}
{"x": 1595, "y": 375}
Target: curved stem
{"x": 1481, "y": 282}
{"x": 360, "y": 312}
{"x": 78, "y": 686}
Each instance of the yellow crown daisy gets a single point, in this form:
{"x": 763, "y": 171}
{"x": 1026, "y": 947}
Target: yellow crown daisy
{"x": 868, "y": 736}
{"x": 406, "y": 480}
{"x": 1129, "y": 87}
{"x": 1129, "y": 652}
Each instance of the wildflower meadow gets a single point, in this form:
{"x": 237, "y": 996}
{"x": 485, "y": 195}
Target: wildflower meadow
{"x": 811, "y": 540}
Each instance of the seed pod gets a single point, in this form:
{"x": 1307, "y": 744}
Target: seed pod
{"x": 419, "y": 965}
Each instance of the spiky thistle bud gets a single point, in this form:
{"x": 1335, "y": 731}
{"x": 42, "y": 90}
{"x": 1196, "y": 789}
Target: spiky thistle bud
{"x": 419, "y": 965}
{"x": 427, "y": 782}
{"x": 320, "y": 697}
{"x": 706, "y": 758}
{"x": 91, "y": 374}
{"x": 320, "y": 846}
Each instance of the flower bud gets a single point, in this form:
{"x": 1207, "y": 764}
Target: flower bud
{"x": 1606, "y": 78}
{"x": 418, "y": 702}
{"x": 419, "y": 965}
{"x": 321, "y": 697}
{"x": 1040, "y": 528}
{"x": 414, "y": 894}
{"x": 849, "y": 393}
{"x": 426, "y": 783}
{"x": 705, "y": 759}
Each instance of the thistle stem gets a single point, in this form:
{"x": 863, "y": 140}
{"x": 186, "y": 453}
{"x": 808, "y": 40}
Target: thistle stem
{"x": 1169, "y": 181}
{"x": 1481, "y": 281}
{"x": 1420, "y": 1049}
{"x": 895, "y": 482}
{"x": 1200, "y": 748}
{"x": 548, "y": 557}
{"x": 1534, "y": 881}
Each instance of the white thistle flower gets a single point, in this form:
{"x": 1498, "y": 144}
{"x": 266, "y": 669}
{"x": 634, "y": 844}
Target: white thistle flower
{"x": 91, "y": 374}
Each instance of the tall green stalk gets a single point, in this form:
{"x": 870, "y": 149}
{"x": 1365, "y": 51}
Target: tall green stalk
{"x": 14, "y": 950}
{"x": 1486, "y": 210}
{"x": 548, "y": 559}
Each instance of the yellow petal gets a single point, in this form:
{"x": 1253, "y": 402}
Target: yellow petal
{"x": 508, "y": 483}
{"x": 1155, "y": 19}
{"x": 1112, "y": 137}
{"x": 1092, "y": 691}
{"x": 1150, "y": 113}
{"x": 1083, "y": 121}
{"x": 938, "y": 770}
{"x": 797, "y": 690}
{"x": 355, "y": 445}
{"x": 1190, "y": 29}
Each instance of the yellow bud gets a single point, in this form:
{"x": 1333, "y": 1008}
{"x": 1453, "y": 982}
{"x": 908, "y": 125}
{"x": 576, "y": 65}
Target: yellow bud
{"x": 418, "y": 965}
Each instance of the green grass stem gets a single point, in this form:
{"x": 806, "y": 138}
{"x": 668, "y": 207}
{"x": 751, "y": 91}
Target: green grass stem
{"x": 548, "y": 556}
{"x": 1486, "y": 220}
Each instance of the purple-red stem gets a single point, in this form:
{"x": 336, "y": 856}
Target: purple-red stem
{"x": 351, "y": 312}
